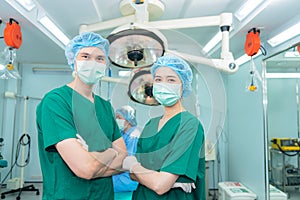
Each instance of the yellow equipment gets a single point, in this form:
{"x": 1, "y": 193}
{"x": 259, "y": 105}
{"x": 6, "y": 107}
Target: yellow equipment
{"x": 286, "y": 144}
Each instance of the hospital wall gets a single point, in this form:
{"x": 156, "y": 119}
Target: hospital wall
{"x": 245, "y": 131}
{"x": 245, "y": 128}
{"x": 282, "y": 108}
{"x": 33, "y": 86}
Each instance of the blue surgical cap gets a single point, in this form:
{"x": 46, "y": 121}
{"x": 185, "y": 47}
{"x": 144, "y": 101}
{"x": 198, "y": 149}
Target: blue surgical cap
{"x": 128, "y": 113}
{"x": 181, "y": 67}
{"x": 87, "y": 39}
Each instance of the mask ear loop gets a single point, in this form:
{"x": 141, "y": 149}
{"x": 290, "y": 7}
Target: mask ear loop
{"x": 74, "y": 74}
{"x": 181, "y": 92}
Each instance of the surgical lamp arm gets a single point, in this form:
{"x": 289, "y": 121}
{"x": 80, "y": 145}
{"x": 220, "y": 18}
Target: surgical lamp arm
{"x": 107, "y": 24}
{"x": 220, "y": 20}
{"x": 226, "y": 63}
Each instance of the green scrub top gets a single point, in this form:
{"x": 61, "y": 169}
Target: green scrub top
{"x": 177, "y": 148}
{"x": 62, "y": 113}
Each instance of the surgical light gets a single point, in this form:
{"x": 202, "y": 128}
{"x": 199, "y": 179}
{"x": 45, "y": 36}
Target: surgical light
{"x": 292, "y": 54}
{"x": 247, "y": 8}
{"x": 27, "y": 4}
{"x": 131, "y": 48}
{"x": 2, "y": 67}
{"x": 282, "y": 75}
{"x": 285, "y": 35}
{"x": 140, "y": 88}
{"x": 48, "y": 24}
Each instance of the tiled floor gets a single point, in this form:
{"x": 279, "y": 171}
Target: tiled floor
{"x": 293, "y": 195}
{"x": 25, "y": 195}
{"x": 31, "y": 195}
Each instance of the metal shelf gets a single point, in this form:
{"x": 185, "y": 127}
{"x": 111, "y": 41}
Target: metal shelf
{"x": 283, "y": 175}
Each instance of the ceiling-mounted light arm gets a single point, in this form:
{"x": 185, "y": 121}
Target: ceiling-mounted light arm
{"x": 224, "y": 21}
{"x": 140, "y": 15}
{"x": 218, "y": 20}
{"x": 141, "y": 11}
{"x": 225, "y": 24}
{"x": 225, "y": 42}
{"x": 226, "y": 63}
{"x": 107, "y": 24}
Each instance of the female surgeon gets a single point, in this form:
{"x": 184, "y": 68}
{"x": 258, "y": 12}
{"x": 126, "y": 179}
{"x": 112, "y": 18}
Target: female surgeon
{"x": 80, "y": 145}
{"x": 169, "y": 162}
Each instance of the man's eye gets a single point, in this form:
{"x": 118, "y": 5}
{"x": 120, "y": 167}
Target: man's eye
{"x": 101, "y": 58}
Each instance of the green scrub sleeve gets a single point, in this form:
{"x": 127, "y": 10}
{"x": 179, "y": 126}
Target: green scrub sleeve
{"x": 56, "y": 120}
{"x": 184, "y": 155}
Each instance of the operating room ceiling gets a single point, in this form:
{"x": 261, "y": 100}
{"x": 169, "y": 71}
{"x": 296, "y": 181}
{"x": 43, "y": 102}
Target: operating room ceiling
{"x": 37, "y": 47}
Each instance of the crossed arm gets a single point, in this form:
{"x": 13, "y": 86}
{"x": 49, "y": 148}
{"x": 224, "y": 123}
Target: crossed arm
{"x": 159, "y": 182}
{"x": 89, "y": 165}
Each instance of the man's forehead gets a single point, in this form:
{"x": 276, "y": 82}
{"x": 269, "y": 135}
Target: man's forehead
{"x": 91, "y": 50}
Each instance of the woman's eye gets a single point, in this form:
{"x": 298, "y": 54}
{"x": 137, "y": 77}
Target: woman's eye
{"x": 171, "y": 80}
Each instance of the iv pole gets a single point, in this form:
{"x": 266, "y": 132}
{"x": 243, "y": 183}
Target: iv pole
{"x": 298, "y": 125}
{"x": 23, "y": 147}
{"x": 297, "y": 103}
{"x": 21, "y": 183}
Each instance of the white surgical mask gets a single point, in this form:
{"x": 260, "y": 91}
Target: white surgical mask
{"x": 166, "y": 94}
{"x": 90, "y": 71}
{"x": 121, "y": 124}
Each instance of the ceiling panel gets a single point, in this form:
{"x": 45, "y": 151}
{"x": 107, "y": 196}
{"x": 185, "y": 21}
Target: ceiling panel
{"x": 70, "y": 14}
{"x": 206, "y": 8}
